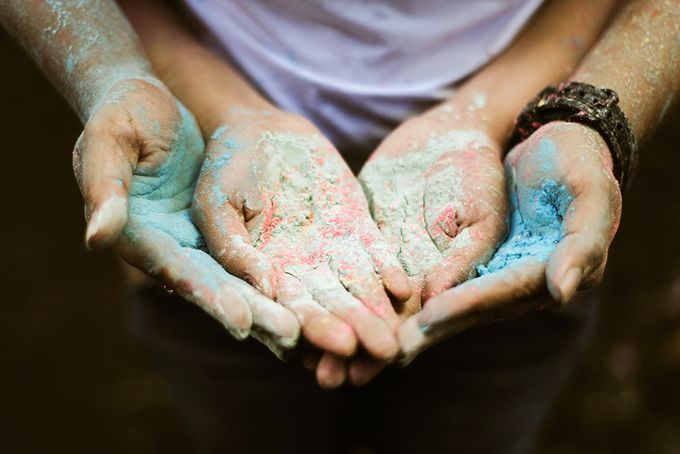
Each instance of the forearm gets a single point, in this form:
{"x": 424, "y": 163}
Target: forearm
{"x": 82, "y": 46}
{"x": 546, "y": 52}
{"x": 200, "y": 79}
{"x": 639, "y": 58}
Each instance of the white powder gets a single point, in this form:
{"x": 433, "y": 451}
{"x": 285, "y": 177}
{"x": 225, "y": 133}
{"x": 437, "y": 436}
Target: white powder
{"x": 408, "y": 214}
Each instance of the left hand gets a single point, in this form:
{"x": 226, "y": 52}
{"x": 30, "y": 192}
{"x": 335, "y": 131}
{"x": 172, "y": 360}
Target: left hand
{"x": 436, "y": 190}
{"x": 278, "y": 206}
{"x": 565, "y": 212}
{"x": 136, "y": 163}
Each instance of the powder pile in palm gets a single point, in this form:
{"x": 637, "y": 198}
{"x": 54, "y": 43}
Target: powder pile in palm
{"x": 535, "y": 226}
{"x": 397, "y": 187}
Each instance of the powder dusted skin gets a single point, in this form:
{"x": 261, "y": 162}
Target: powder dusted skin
{"x": 84, "y": 46}
{"x": 538, "y": 206}
{"x": 160, "y": 196}
{"x": 430, "y": 195}
{"x": 280, "y": 207}
{"x": 402, "y": 207}
{"x": 313, "y": 212}
{"x": 161, "y": 239}
{"x": 544, "y": 173}
{"x": 535, "y": 230}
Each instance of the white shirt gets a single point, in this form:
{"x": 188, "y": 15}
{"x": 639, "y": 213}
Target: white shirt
{"x": 358, "y": 67}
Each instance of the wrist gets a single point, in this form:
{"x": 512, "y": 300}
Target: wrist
{"x": 238, "y": 115}
{"x": 468, "y": 114}
{"x": 101, "y": 84}
{"x": 584, "y": 104}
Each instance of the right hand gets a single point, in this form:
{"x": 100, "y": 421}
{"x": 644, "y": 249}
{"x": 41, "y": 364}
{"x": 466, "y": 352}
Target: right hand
{"x": 280, "y": 208}
{"x": 136, "y": 163}
{"x": 566, "y": 207}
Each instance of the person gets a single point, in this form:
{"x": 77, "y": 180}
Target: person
{"x": 277, "y": 207}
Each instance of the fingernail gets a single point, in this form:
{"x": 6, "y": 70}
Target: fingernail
{"x": 411, "y": 336}
{"x": 569, "y": 284}
{"x": 92, "y": 228}
{"x": 110, "y": 212}
{"x": 237, "y": 317}
{"x": 331, "y": 373}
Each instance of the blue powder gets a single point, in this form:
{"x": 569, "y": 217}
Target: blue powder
{"x": 216, "y": 161}
{"x": 160, "y": 198}
{"x": 70, "y": 64}
{"x": 535, "y": 229}
{"x": 546, "y": 155}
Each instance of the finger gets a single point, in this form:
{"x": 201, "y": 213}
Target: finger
{"x": 229, "y": 242}
{"x": 413, "y": 305}
{"x": 363, "y": 369}
{"x": 356, "y": 273}
{"x": 589, "y": 226}
{"x": 273, "y": 325}
{"x": 310, "y": 357}
{"x": 470, "y": 247}
{"x": 371, "y": 331}
{"x": 190, "y": 272}
{"x": 513, "y": 290}
{"x": 443, "y": 205}
{"x": 103, "y": 165}
{"x": 319, "y": 327}
{"x": 394, "y": 278}
{"x": 332, "y": 371}
{"x": 464, "y": 240}
{"x": 397, "y": 210}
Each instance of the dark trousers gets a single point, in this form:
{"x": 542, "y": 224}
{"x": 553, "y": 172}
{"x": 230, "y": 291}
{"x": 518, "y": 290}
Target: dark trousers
{"x": 483, "y": 391}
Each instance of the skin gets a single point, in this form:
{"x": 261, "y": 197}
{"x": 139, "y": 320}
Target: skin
{"x": 292, "y": 219}
{"x": 637, "y": 57}
{"x": 531, "y": 283}
{"x": 647, "y": 78}
{"x": 462, "y": 216}
{"x": 463, "y": 230}
{"x": 138, "y": 159}
{"x": 280, "y": 208}
{"x": 438, "y": 195}
{"x": 546, "y": 46}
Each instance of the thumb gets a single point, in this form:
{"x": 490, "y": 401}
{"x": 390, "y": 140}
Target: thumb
{"x": 103, "y": 166}
{"x": 229, "y": 243}
{"x": 589, "y": 227}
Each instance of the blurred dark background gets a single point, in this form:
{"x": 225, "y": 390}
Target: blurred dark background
{"x": 72, "y": 378}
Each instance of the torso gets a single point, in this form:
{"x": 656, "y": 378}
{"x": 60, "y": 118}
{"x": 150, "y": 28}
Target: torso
{"x": 359, "y": 67}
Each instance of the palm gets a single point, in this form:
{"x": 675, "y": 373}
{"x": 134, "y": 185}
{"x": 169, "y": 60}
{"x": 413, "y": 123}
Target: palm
{"x": 438, "y": 198}
{"x": 159, "y": 236}
{"x": 566, "y": 206}
{"x": 274, "y": 190}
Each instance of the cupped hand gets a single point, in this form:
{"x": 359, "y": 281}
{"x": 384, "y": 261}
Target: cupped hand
{"x": 566, "y": 206}
{"x": 280, "y": 208}
{"x": 137, "y": 162}
{"x": 436, "y": 191}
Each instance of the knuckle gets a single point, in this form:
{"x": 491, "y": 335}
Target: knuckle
{"x": 113, "y": 124}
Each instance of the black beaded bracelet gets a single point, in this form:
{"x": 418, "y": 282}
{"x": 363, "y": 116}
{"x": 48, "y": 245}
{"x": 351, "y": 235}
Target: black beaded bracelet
{"x": 578, "y": 102}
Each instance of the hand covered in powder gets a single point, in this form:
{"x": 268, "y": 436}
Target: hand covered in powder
{"x": 566, "y": 207}
{"x": 280, "y": 208}
{"x": 137, "y": 162}
{"x": 437, "y": 194}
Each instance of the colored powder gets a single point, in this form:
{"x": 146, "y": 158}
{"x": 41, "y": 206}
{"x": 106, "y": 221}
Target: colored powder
{"x": 478, "y": 101}
{"x": 161, "y": 197}
{"x": 214, "y": 162}
{"x": 535, "y": 226}
{"x": 70, "y": 64}
{"x": 312, "y": 218}
{"x": 401, "y": 204}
